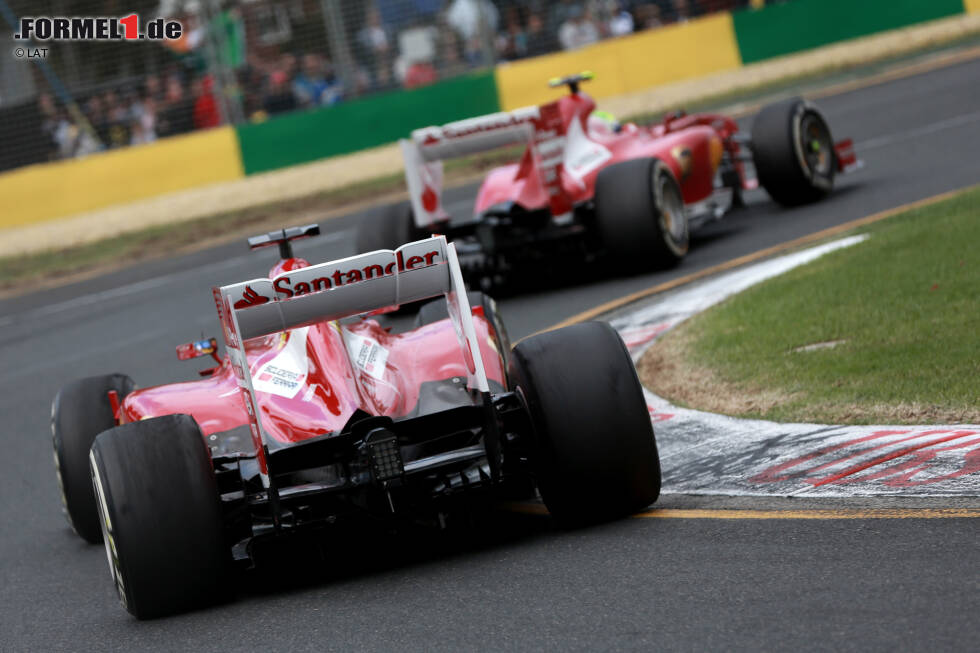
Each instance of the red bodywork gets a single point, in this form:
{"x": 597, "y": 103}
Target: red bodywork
{"x": 333, "y": 386}
{"x": 691, "y": 145}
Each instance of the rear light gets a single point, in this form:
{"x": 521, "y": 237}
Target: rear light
{"x": 384, "y": 454}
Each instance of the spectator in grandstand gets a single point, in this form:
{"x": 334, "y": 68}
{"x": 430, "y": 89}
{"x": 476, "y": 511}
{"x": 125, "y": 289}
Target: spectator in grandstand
{"x": 683, "y": 11}
{"x": 251, "y": 80}
{"x": 144, "y": 120}
{"x": 449, "y": 61}
{"x": 289, "y": 65}
{"x": 560, "y": 12}
{"x": 153, "y": 88}
{"x": 375, "y": 47}
{"x": 420, "y": 73}
{"x": 648, "y": 16}
{"x": 474, "y": 21}
{"x": 316, "y": 85}
{"x": 279, "y": 96}
{"x": 49, "y": 124}
{"x": 96, "y": 117}
{"x": 620, "y": 21}
{"x": 175, "y": 116}
{"x": 512, "y": 43}
{"x": 539, "y": 40}
{"x": 206, "y": 111}
{"x": 578, "y": 30}
{"x": 118, "y": 118}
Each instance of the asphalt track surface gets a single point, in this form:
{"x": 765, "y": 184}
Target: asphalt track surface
{"x": 517, "y": 583}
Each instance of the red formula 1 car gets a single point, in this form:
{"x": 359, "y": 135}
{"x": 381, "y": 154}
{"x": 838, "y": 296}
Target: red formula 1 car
{"x": 313, "y": 420}
{"x": 587, "y": 186}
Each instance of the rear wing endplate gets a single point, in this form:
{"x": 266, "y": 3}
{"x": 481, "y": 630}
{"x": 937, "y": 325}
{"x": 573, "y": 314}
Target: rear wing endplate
{"x": 539, "y": 127}
{"x": 338, "y": 289}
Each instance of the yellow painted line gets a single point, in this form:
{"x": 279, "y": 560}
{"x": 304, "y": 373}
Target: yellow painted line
{"x": 754, "y": 256}
{"x": 843, "y": 513}
{"x": 972, "y": 6}
{"x": 835, "y": 513}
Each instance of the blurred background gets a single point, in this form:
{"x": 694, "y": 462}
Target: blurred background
{"x": 243, "y": 62}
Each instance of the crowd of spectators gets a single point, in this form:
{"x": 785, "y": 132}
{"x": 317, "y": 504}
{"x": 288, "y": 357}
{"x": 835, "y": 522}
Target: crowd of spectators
{"x": 461, "y": 35}
{"x": 130, "y": 114}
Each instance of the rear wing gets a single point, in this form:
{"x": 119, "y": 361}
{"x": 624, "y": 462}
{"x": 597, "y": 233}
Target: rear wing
{"x": 338, "y": 289}
{"x": 539, "y": 127}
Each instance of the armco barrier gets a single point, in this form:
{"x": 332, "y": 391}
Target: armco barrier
{"x": 51, "y": 190}
{"x": 367, "y": 122}
{"x": 626, "y": 64}
{"x": 803, "y": 24}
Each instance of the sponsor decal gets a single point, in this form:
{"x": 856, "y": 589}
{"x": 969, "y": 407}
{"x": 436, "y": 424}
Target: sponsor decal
{"x": 582, "y": 155}
{"x": 366, "y": 354}
{"x": 326, "y": 276}
{"x": 286, "y": 373}
{"x": 430, "y": 200}
{"x": 685, "y": 160}
{"x": 250, "y": 298}
{"x": 434, "y": 135}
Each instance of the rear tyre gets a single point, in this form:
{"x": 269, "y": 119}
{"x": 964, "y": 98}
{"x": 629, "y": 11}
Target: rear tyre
{"x": 389, "y": 228}
{"x": 161, "y": 516}
{"x": 81, "y": 411}
{"x": 640, "y": 211}
{"x": 793, "y": 152}
{"x": 594, "y": 452}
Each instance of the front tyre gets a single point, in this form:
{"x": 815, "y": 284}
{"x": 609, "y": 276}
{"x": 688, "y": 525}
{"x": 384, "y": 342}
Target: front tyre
{"x": 594, "y": 453}
{"x": 793, "y": 152}
{"x": 81, "y": 411}
{"x": 640, "y": 213}
{"x": 160, "y": 515}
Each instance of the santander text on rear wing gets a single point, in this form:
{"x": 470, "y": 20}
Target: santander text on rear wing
{"x": 338, "y": 289}
{"x": 539, "y": 127}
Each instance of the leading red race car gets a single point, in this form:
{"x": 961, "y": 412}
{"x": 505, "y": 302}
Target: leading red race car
{"x": 313, "y": 420}
{"x": 587, "y": 186}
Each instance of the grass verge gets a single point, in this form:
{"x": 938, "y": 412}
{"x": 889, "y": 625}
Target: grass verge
{"x": 894, "y": 320}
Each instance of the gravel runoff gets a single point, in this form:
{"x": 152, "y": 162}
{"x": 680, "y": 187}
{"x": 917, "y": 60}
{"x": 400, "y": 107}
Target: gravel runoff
{"x": 340, "y": 171}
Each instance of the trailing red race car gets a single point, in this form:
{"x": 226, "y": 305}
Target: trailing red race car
{"x": 588, "y": 186}
{"x": 313, "y": 420}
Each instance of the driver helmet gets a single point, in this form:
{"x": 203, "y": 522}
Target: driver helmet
{"x": 603, "y": 122}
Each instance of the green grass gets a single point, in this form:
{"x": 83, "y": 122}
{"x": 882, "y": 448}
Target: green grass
{"x": 906, "y": 303}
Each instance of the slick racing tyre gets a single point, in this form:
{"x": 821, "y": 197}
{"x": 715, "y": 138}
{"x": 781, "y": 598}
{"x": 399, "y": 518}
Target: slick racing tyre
{"x": 81, "y": 411}
{"x": 593, "y": 453}
{"x": 389, "y": 228}
{"x": 161, "y": 516}
{"x": 793, "y": 152}
{"x": 641, "y": 216}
